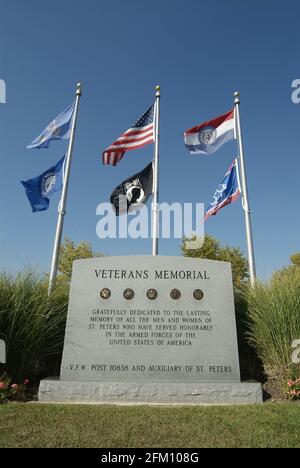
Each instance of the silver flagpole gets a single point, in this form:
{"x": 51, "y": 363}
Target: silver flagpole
{"x": 63, "y": 200}
{"x": 245, "y": 201}
{"x": 155, "y": 206}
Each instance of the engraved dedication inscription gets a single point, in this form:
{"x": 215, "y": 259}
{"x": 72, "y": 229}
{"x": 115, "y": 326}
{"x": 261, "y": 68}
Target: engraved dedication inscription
{"x": 151, "y": 319}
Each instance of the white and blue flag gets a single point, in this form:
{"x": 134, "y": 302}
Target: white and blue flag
{"x": 227, "y": 192}
{"x": 41, "y": 188}
{"x": 58, "y": 129}
{"x": 209, "y": 136}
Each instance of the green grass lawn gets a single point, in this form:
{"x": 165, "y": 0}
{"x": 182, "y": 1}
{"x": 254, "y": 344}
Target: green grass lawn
{"x": 41, "y": 425}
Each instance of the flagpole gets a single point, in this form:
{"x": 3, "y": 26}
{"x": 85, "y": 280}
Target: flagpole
{"x": 63, "y": 200}
{"x": 155, "y": 206}
{"x": 245, "y": 202}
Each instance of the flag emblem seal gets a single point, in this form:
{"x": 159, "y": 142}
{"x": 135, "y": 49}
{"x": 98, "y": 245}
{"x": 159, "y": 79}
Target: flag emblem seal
{"x": 48, "y": 182}
{"x": 207, "y": 135}
{"x": 134, "y": 192}
{"x": 53, "y": 129}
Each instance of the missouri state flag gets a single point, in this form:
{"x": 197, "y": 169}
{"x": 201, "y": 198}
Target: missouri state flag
{"x": 209, "y": 136}
{"x": 227, "y": 192}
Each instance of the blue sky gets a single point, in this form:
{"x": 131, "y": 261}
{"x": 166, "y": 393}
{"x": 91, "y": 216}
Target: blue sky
{"x": 200, "y": 53}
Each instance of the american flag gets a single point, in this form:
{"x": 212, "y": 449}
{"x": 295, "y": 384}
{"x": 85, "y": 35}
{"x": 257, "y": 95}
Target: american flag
{"x": 140, "y": 134}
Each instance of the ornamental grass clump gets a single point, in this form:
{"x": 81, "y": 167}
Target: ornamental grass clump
{"x": 32, "y": 325}
{"x": 273, "y": 311}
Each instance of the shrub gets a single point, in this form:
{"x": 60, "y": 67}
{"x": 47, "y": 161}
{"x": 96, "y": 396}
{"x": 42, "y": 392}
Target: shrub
{"x": 31, "y": 324}
{"x": 11, "y": 391}
{"x": 293, "y": 389}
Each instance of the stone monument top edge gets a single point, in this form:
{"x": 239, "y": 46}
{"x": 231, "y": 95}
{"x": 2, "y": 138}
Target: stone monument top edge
{"x": 149, "y": 258}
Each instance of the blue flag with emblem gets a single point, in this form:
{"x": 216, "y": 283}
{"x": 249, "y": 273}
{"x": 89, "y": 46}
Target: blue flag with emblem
{"x": 227, "y": 192}
{"x": 41, "y": 188}
{"x": 58, "y": 129}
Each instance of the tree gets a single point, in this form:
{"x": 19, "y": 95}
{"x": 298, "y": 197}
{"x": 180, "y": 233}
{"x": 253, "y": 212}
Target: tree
{"x": 213, "y": 250}
{"x": 295, "y": 259}
{"x": 70, "y": 252}
{"x": 290, "y": 271}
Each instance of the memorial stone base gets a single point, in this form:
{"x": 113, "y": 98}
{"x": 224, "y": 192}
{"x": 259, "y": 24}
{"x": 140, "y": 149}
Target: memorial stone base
{"x": 150, "y": 330}
{"x": 179, "y": 393}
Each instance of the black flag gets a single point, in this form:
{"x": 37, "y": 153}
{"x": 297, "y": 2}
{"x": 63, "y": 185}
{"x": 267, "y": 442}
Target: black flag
{"x": 133, "y": 192}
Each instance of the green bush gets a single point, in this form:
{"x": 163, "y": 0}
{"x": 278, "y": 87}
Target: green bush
{"x": 32, "y": 325}
{"x": 273, "y": 311}
{"x": 10, "y": 391}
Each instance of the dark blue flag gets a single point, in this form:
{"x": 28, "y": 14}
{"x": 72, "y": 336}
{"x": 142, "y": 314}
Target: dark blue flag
{"x": 41, "y": 188}
{"x": 58, "y": 129}
{"x": 227, "y": 192}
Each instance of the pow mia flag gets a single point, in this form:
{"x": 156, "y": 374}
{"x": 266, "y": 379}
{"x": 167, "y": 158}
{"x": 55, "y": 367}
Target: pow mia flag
{"x": 133, "y": 192}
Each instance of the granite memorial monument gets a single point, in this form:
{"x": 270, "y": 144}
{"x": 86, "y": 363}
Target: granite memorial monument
{"x": 150, "y": 330}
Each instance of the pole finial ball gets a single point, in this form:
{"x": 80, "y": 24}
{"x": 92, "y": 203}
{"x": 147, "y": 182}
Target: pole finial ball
{"x": 236, "y": 94}
{"x": 78, "y": 88}
{"x": 157, "y": 87}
